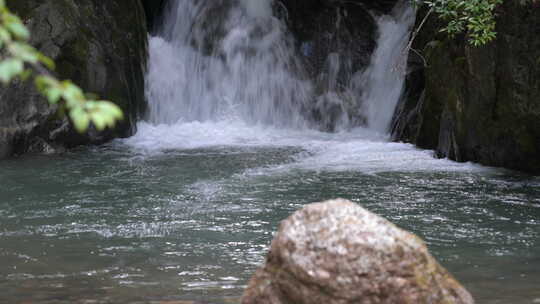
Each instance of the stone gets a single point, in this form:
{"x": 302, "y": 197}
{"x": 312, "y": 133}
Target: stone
{"x": 154, "y": 11}
{"x": 478, "y": 104}
{"x": 334, "y": 40}
{"x": 322, "y": 28}
{"x": 336, "y": 252}
{"x": 99, "y": 45}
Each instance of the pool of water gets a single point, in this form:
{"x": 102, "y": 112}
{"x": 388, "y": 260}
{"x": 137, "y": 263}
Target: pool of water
{"x": 190, "y": 218}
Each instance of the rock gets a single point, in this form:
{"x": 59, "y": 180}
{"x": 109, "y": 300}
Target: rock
{"x": 478, "y": 104}
{"x": 334, "y": 40}
{"x": 101, "y": 46}
{"x": 154, "y": 10}
{"x": 338, "y": 252}
{"x": 322, "y": 28}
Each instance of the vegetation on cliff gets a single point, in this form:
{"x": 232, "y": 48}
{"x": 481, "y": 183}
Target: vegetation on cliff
{"x": 476, "y": 17}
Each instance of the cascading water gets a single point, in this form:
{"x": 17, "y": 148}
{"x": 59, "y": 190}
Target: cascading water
{"x": 219, "y": 62}
{"x": 228, "y": 73}
{"x": 383, "y": 80}
{"x": 235, "y": 62}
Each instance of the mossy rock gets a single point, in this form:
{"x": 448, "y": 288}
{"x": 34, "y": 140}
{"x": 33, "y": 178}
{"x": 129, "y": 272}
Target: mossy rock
{"x": 478, "y": 104}
{"x": 100, "y": 45}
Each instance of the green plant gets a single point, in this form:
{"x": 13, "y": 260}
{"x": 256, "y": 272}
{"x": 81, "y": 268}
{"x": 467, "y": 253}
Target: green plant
{"x": 20, "y": 60}
{"x": 475, "y": 17}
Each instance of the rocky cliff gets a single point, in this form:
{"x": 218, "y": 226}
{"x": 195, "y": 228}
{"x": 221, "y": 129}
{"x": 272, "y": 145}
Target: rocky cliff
{"x": 477, "y": 104}
{"x": 100, "y": 45}
{"x": 335, "y": 39}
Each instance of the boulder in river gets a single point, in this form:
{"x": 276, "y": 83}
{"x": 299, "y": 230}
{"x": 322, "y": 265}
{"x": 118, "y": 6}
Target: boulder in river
{"x": 338, "y": 252}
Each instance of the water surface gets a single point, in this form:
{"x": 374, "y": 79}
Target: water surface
{"x": 192, "y": 220}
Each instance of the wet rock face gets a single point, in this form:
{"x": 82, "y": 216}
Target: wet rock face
{"x": 322, "y": 28}
{"x": 478, "y": 104}
{"x": 338, "y": 252}
{"x": 345, "y": 29}
{"x": 334, "y": 40}
{"x": 100, "y": 45}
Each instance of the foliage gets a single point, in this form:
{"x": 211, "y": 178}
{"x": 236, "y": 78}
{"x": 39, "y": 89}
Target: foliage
{"x": 18, "y": 59}
{"x": 475, "y": 17}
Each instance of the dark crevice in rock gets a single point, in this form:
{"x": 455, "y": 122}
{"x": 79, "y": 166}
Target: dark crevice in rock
{"x": 154, "y": 13}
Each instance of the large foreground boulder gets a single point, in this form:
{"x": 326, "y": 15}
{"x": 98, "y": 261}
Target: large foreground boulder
{"x": 100, "y": 45}
{"x": 338, "y": 252}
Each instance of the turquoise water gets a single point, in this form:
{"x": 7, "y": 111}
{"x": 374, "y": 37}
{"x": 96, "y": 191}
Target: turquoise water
{"x": 120, "y": 224}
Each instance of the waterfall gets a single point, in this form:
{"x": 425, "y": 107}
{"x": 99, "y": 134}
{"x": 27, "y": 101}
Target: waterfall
{"x": 225, "y": 72}
{"x": 225, "y": 60}
{"x": 383, "y": 80}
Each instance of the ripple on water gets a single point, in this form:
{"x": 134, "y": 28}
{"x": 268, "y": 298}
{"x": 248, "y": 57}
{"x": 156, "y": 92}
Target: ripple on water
{"x": 194, "y": 224}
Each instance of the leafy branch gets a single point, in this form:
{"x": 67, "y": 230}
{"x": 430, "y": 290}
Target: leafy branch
{"x": 20, "y": 60}
{"x": 476, "y": 17}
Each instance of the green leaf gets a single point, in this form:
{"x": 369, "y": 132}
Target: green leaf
{"x": 24, "y": 51}
{"x": 80, "y": 119}
{"x": 25, "y": 74}
{"x": 46, "y": 61}
{"x": 99, "y": 120}
{"x": 72, "y": 94}
{"x": 5, "y": 36}
{"x": 44, "y": 82}
{"x": 111, "y": 109}
{"x": 53, "y": 94}
{"x": 108, "y": 118}
{"x": 10, "y": 68}
{"x": 16, "y": 27}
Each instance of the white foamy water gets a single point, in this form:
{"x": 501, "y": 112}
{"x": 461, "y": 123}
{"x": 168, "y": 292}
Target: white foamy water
{"x": 359, "y": 149}
{"x": 383, "y": 80}
{"x": 227, "y": 76}
{"x": 216, "y": 61}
